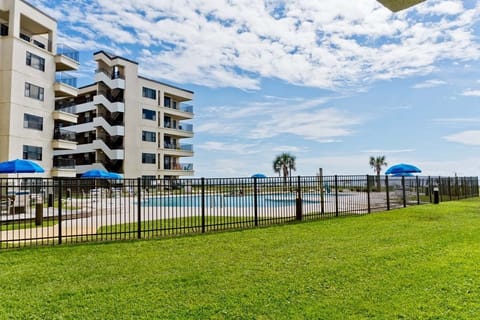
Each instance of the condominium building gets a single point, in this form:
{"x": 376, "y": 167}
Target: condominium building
{"x": 129, "y": 124}
{"x": 32, "y": 77}
{"x": 122, "y": 123}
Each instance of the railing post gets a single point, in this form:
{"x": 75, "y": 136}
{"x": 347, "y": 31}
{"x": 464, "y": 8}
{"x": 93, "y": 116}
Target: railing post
{"x": 255, "y": 200}
{"x": 298, "y": 202}
{"x": 139, "y": 208}
{"x": 404, "y": 192}
{"x": 417, "y": 189}
{"x": 336, "y": 196}
{"x": 368, "y": 194}
{"x": 388, "y": 192}
{"x": 59, "y": 211}
{"x": 203, "y": 205}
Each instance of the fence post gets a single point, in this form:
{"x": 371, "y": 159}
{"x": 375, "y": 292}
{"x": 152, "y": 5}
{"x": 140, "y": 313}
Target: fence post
{"x": 404, "y": 192}
{"x": 255, "y": 199}
{"x": 203, "y": 205}
{"x": 336, "y": 196}
{"x": 449, "y": 189}
{"x": 139, "y": 208}
{"x": 322, "y": 196}
{"x": 418, "y": 190}
{"x": 59, "y": 210}
{"x": 440, "y": 189}
{"x": 457, "y": 191}
{"x": 430, "y": 189}
{"x": 298, "y": 202}
{"x": 388, "y": 192}
{"x": 368, "y": 194}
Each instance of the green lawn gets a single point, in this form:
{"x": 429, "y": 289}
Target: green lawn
{"x": 422, "y": 262}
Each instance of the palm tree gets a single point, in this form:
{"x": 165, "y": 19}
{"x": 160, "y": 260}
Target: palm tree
{"x": 377, "y": 163}
{"x": 284, "y": 164}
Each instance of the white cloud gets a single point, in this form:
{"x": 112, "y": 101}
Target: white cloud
{"x": 336, "y": 44}
{"x": 469, "y": 137}
{"x": 387, "y": 151}
{"x": 471, "y": 93}
{"x": 429, "y": 84}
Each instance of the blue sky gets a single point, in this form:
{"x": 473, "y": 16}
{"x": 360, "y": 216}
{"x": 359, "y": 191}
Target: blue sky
{"x": 333, "y": 81}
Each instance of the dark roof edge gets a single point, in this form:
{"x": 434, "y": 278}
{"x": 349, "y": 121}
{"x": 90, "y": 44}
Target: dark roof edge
{"x": 165, "y": 84}
{"x": 86, "y": 86}
{"x": 111, "y": 56}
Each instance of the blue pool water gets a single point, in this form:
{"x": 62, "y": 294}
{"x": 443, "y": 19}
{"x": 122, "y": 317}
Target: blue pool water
{"x": 219, "y": 200}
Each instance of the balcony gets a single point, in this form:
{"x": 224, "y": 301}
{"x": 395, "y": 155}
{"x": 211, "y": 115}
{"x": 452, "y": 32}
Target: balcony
{"x": 65, "y": 116}
{"x": 64, "y": 139}
{"x": 181, "y": 111}
{"x": 114, "y": 80}
{"x": 181, "y": 150}
{"x": 66, "y": 58}
{"x": 63, "y": 168}
{"x": 65, "y": 85}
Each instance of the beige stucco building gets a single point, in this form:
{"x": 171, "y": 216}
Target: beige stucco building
{"x": 130, "y": 124}
{"x": 32, "y": 77}
{"x": 122, "y": 122}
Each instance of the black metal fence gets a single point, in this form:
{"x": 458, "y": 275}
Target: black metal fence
{"x": 37, "y": 211}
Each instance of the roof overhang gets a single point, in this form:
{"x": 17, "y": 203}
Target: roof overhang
{"x": 397, "y": 5}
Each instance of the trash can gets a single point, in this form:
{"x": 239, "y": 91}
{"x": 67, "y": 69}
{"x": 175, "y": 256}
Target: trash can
{"x": 436, "y": 195}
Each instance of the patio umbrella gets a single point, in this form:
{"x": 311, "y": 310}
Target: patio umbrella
{"x": 402, "y": 168}
{"x": 258, "y": 175}
{"x": 20, "y": 166}
{"x": 114, "y": 175}
{"x": 96, "y": 174}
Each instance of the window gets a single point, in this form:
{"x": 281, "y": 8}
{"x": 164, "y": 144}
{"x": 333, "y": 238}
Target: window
{"x": 32, "y": 153}
{"x": 3, "y": 30}
{"x": 167, "y": 102}
{"x": 35, "y": 61}
{"x": 149, "y": 136}
{"x": 149, "y": 93}
{"x": 33, "y": 91}
{"x": 148, "y": 157}
{"x": 149, "y": 114}
{"x": 32, "y": 122}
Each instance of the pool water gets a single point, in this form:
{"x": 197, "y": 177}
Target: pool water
{"x": 219, "y": 200}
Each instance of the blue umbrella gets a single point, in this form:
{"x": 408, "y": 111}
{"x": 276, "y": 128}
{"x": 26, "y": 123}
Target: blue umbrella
{"x": 259, "y": 175}
{"x": 402, "y": 168}
{"x": 404, "y": 174}
{"x": 96, "y": 174}
{"x": 20, "y": 166}
{"x": 114, "y": 175}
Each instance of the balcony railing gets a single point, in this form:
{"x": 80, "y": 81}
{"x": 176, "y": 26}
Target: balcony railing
{"x": 179, "y": 166}
{"x": 68, "y": 52}
{"x": 182, "y": 147}
{"x": 64, "y": 163}
{"x": 62, "y": 134}
{"x": 110, "y": 97}
{"x": 40, "y": 42}
{"x": 184, "y": 126}
{"x": 179, "y": 106}
{"x": 186, "y": 108}
{"x": 66, "y": 78}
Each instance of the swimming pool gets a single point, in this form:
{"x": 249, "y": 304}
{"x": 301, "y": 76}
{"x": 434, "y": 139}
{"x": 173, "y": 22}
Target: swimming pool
{"x": 220, "y": 200}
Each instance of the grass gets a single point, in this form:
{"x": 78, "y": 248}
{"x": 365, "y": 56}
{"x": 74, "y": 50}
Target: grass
{"x": 415, "y": 263}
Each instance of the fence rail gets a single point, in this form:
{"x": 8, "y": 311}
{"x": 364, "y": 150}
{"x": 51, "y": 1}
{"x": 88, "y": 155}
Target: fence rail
{"x": 38, "y": 211}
